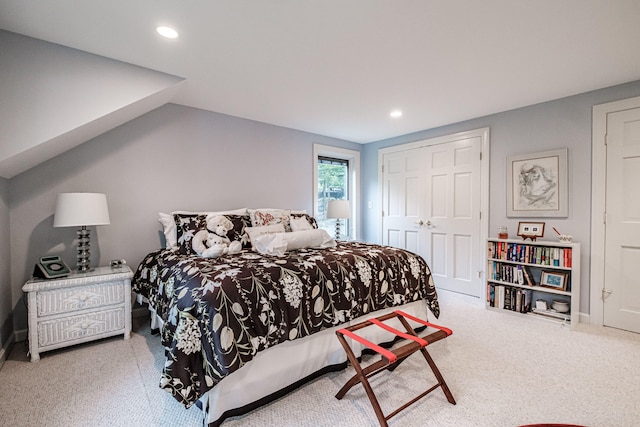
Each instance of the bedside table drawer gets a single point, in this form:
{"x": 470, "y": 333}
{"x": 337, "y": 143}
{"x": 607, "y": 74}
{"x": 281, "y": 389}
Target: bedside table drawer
{"x": 52, "y": 332}
{"x": 67, "y": 300}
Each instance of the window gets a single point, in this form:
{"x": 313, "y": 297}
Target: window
{"x": 336, "y": 174}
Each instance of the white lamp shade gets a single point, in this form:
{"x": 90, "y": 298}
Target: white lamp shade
{"x": 78, "y": 209}
{"x": 338, "y": 209}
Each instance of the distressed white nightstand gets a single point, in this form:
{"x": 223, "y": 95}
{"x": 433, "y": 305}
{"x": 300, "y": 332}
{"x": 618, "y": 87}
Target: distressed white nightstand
{"x": 78, "y": 308}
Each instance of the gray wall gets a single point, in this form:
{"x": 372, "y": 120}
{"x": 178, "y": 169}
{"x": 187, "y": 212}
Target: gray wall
{"x": 182, "y": 158}
{"x": 6, "y": 319}
{"x": 172, "y": 158}
{"x": 562, "y": 123}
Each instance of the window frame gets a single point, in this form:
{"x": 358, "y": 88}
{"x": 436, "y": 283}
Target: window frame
{"x": 353, "y": 158}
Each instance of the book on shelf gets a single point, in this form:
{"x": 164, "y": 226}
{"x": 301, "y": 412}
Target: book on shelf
{"x": 519, "y": 297}
{"x": 491, "y": 295}
{"x": 500, "y": 296}
{"x": 509, "y": 298}
{"x": 528, "y": 278}
{"x": 520, "y": 275}
{"x": 527, "y": 297}
{"x": 530, "y": 253}
{"x": 567, "y": 257}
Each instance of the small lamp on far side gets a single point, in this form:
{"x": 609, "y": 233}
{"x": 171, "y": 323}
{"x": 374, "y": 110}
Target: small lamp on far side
{"x": 338, "y": 209}
{"x": 81, "y": 210}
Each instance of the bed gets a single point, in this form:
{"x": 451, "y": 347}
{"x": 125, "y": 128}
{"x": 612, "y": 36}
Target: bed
{"x": 241, "y": 329}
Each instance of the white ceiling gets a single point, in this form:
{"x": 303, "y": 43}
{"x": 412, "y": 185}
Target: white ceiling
{"x": 338, "y": 67}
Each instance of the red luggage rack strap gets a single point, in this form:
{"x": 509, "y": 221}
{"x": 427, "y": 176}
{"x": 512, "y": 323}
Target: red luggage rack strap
{"x": 392, "y": 358}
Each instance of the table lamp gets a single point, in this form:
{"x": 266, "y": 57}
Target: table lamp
{"x": 81, "y": 210}
{"x": 338, "y": 209}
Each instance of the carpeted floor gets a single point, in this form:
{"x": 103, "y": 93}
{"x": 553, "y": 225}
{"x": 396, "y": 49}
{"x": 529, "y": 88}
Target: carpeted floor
{"x": 503, "y": 369}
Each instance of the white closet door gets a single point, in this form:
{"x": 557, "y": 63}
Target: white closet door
{"x": 431, "y": 206}
{"x": 621, "y": 296}
{"x": 403, "y": 193}
{"x": 453, "y": 215}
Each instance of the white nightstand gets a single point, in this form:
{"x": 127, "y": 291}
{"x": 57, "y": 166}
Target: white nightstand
{"x": 78, "y": 308}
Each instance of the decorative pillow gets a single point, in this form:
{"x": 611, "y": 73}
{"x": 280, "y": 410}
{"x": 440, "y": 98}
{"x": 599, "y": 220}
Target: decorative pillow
{"x": 261, "y": 217}
{"x": 240, "y": 224}
{"x": 254, "y": 232}
{"x": 278, "y": 243}
{"x": 302, "y": 221}
{"x": 187, "y": 225}
{"x": 169, "y": 224}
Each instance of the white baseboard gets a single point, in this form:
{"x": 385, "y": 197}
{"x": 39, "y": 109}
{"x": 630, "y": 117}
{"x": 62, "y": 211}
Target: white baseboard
{"x": 584, "y": 318}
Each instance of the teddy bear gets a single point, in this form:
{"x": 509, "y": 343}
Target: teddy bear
{"x": 213, "y": 242}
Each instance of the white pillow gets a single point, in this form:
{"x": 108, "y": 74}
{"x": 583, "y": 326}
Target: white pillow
{"x": 169, "y": 224}
{"x": 314, "y": 238}
{"x": 255, "y": 232}
{"x": 262, "y": 217}
{"x": 299, "y": 224}
{"x": 278, "y": 243}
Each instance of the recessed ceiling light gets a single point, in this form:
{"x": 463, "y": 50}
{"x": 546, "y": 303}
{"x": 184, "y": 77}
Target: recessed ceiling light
{"x": 167, "y": 32}
{"x": 395, "y": 114}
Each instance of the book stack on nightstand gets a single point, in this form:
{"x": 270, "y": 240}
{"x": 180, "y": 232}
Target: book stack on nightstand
{"x": 78, "y": 308}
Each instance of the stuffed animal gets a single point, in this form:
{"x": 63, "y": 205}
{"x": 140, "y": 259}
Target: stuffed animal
{"x": 213, "y": 242}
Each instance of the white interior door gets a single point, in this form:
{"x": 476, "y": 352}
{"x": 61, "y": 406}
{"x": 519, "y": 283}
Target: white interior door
{"x": 431, "y": 201}
{"x": 453, "y": 215}
{"x": 403, "y": 192}
{"x": 621, "y": 294}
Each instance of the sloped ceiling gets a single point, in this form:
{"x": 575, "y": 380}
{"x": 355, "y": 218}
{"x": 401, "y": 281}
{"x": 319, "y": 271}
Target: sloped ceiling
{"x": 55, "y": 98}
{"x": 337, "y": 68}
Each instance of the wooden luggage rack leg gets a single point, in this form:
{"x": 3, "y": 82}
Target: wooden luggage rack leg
{"x": 390, "y": 359}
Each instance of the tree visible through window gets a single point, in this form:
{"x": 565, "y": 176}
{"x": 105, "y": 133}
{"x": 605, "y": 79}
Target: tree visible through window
{"x": 333, "y": 184}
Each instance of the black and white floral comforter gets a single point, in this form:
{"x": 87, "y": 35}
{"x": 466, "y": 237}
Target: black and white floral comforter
{"x": 218, "y": 313}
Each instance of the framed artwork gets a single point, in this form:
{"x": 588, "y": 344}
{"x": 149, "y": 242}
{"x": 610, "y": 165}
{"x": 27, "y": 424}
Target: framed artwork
{"x": 554, "y": 279}
{"x": 537, "y": 184}
{"x": 530, "y": 230}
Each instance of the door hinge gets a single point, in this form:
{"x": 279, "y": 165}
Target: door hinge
{"x": 382, "y": 168}
{"x": 481, "y": 155}
{"x": 382, "y": 213}
{"x": 606, "y": 138}
{"x": 604, "y": 217}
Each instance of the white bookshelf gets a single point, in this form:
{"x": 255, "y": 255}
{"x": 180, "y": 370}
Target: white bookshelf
{"x": 510, "y": 261}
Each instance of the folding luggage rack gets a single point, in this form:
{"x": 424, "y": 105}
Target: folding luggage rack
{"x": 390, "y": 359}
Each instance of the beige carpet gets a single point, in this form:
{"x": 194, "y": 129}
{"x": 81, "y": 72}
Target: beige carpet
{"x": 503, "y": 369}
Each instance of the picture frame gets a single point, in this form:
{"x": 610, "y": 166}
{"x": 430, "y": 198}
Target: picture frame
{"x": 530, "y": 230}
{"x": 554, "y": 279}
{"x": 537, "y": 184}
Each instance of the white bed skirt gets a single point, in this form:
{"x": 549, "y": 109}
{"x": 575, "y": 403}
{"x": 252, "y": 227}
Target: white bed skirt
{"x": 283, "y": 365}
{"x": 279, "y": 367}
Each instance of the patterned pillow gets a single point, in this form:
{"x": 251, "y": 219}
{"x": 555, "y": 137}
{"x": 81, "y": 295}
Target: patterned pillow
{"x": 262, "y": 217}
{"x": 187, "y": 225}
{"x": 297, "y": 216}
{"x": 240, "y": 223}
{"x": 169, "y": 225}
